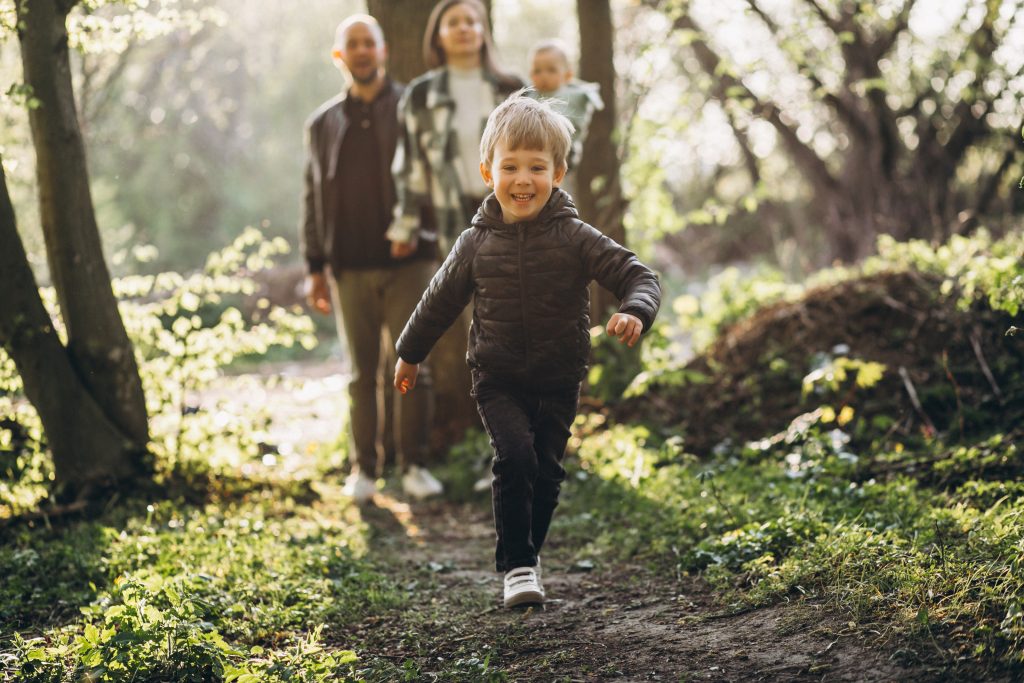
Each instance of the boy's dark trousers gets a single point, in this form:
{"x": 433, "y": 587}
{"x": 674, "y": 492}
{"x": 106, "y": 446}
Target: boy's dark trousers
{"x": 529, "y": 431}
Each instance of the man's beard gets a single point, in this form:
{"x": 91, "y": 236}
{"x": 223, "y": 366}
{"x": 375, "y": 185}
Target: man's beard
{"x": 366, "y": 80}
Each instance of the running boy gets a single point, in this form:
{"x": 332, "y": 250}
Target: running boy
{"x": 526, "y": 262}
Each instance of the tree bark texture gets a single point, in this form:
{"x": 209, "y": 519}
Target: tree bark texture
{"x": 98, "y": 344}
{"x": 88, "y": 449}
{"x": 403, "y": 23}
{"x": 599, "y": 189}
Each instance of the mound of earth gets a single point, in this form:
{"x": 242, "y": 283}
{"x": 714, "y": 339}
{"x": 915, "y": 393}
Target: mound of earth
{"x": 946, "y": 370}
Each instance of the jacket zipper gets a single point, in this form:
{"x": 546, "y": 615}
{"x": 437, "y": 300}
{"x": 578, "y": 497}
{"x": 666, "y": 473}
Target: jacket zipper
{"x": 522, "y": 297}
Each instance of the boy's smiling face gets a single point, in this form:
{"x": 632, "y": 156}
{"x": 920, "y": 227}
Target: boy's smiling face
{"x": 522, "y": 180}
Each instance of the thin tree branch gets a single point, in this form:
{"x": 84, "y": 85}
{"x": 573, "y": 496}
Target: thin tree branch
{"x": 750, "y": 159}
{"x": 846, "y": 112}
{"x": 97, "y": 96}
{"x": 829, "y": 20}
{"x": 990, "y": 187}
{"x": 983, "y": 43}
{"x": 805, "y": 157}
{"x": 885, "y": 43}
{"x": 862, "y": 56}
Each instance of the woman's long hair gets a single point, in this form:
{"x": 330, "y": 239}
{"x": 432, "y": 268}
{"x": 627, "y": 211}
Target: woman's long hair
{"x": 433, "y": 53}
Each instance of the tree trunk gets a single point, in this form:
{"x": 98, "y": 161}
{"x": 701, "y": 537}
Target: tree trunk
{"x": 599, "y": 190}
{"x": 98, "y": 344}
{"x": 403, "y": 23}
{"x": 88, "y": 450}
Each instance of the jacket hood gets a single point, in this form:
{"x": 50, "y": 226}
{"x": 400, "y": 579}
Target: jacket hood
{"x": 559, "y": 206}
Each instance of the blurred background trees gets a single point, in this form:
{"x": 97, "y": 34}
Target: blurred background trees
{"x": 889, "y": 133}
{"x": 787, "y": 130}
{"x": 803, "y": 129}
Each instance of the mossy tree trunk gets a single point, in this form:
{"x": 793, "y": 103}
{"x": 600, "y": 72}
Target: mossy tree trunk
{"x": 89, "y": 451}
{"x": 99, "y": 354}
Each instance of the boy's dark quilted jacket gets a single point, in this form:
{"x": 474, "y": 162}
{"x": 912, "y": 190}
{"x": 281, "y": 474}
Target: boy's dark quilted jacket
{"x": 531, "y": 322}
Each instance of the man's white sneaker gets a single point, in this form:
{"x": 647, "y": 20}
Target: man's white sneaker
{"x": 522, "y": 587}
{"x": 359, "y": 487}
{"x": 419, "y": 483}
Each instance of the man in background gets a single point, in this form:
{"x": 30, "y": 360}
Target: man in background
{"x": 372, "y": 283}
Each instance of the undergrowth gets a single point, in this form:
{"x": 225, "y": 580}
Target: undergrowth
{"x": 905, "y": 519}
{"x": 245, "y": 563}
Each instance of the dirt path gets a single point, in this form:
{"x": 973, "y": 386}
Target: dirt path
{"x": 617, "y": 623}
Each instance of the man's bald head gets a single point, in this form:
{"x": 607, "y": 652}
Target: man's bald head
{"x": 341, "y": 33}
{"x": 359, "y": 49}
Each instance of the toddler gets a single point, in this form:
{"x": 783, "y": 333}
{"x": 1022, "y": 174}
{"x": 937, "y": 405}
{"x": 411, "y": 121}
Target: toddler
{"x": 552, "y": 78}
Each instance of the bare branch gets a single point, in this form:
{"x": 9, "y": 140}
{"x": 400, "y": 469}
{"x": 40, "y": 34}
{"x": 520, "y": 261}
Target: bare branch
{"x": 96, "y": 94}
{"x": 749, "y": 158}
{"x": 991, "y": 186}
{"x": 885, "y": 43}
{"x": 829, "y": 20}
{"x": 846, "y": 111}
{"x": 805, "y": 157}
{"x": 971, "y": 123}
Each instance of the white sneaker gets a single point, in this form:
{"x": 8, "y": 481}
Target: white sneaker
{"x": 419, "y": 483}
{"x": 537, "y": 569}
{"x": 522, "y": 587}
{"x": 359, "y": 487}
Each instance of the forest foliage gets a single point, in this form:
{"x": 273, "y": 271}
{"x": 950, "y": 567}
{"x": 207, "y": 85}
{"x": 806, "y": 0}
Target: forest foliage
{"x": 850, "y": 437}
{"x": 911, "y": 531}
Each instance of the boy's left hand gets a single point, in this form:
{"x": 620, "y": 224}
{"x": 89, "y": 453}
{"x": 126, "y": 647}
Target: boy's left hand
{"x": 626, "y": 327}
{"x": 405, "y": 375}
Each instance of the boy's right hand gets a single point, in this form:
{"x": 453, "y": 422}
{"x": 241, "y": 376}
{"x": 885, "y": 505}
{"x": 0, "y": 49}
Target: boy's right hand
{"x": 317, "y": 294}
{"x": 405, "y": 375}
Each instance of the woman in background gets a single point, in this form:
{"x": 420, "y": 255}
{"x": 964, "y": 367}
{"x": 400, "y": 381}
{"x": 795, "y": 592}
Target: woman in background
{"x": 444, "y": 111}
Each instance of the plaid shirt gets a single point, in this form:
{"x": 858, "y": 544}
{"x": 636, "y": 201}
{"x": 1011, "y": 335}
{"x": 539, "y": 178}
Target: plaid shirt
{"x": 424, "y": 167}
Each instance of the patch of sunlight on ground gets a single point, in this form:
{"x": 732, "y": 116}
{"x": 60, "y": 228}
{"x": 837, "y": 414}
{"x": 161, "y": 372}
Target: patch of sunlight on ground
{"x": 307, "y": 406}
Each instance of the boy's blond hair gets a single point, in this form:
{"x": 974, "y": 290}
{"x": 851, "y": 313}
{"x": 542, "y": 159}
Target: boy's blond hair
{"x": 521, "y": 122}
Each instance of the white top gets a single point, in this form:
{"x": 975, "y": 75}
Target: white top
{"x": 474, "y": 101}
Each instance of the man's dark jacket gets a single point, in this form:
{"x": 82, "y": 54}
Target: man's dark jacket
{"x": 531, "y": 321}
{"x": 325, "y": 130}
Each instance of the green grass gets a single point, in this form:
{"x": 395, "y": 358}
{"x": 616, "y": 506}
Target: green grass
{"x": 265, "y": 585}
{"x": 937, "y": 570}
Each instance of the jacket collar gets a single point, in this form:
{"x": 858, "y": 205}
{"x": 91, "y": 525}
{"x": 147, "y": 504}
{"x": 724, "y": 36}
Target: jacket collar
{"x": 559, "y": 205}
{"x": 388, "y": 90}
{"x": 385, "y": 90}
